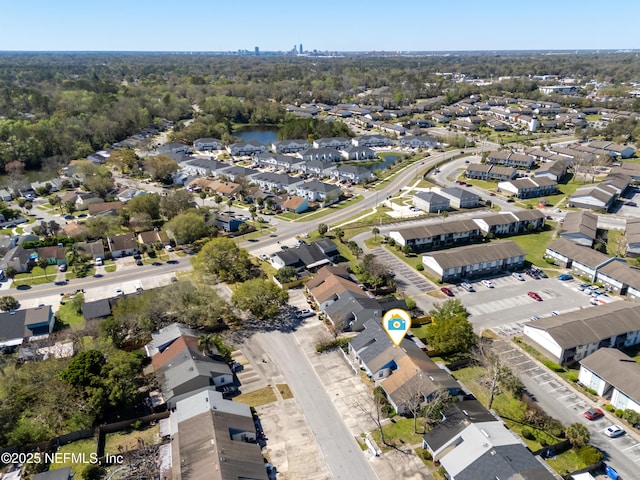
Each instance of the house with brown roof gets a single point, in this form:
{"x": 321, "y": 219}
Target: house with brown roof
{"x": 570, "y": 337}
{"x": 54, "y": 255}
{"x": 105, "y": 208}
{"x": 485, "y": 171}
{"x": 122, "y": 245}
{"x": 474, "y": 260}
{"x": 580, "y": 228}
{"x": 75, "y": 230}
{"x": 295, "y": 204}
{"x": 81, "y": 200}
{"x": 92, "y": 249}
{"x": 613, "y": 375}
{"x": 151, "y": 237}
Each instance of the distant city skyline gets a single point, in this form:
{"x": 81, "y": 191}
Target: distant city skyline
{"x": 334, "y": 26}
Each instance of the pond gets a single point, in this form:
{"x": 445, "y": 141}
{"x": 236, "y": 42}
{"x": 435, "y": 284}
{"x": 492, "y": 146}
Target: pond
{"x": 386, "y": 161}
{"x": 262, "y": 134}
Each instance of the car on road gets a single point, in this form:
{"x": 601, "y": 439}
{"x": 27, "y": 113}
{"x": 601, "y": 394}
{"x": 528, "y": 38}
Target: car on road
{"x": 467, "y": 286}
{"x": 264, "y": 256}
{"x": 534, "y": 318}
{"x": 535, "y": 296}
{"x": 62, "y": 268}
{"x": 614, "y": 431}
{"x": 487, "y": 283}
{"x": 593, "y": 414}
{"x": 510, "y": 200}
{"x": 491, "y": 194}
{"x": 69, "y": 217}
{"x": 518, "y": 276}
{"x": 119, "y": 292}
{"x": 172, "y": 262}
{"x": 555, "y": 313}
{"x": 447, "y": 292}
{"x": 583, "y": 286}
{"x": 139, "y": 262}
{"x": 564, "y": 277}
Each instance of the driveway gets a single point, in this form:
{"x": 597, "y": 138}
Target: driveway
{"x": 566, "y": 404}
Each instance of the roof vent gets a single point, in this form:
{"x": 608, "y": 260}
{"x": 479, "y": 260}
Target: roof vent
{"x": 484, "y": 432}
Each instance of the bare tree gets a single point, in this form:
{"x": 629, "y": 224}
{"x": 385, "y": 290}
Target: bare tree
{"x": 432, "y": 411}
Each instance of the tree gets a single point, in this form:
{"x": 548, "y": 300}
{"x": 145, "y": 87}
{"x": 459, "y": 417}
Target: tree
{"x": 8, "y": 302}
{"x": 69, "y": 206}
{"x": 206, "y": 341}
{"x": 149, "y": 204}
{"x": 577, "y": 434}
{"x": 187, "y": 227}
{"x": 500, "y": 375}
{"x": 54, "y": 201}
{"x": 43, "y": 263}
{"x": 230, "y": 203}
{"x": 124, "y": 160}
{"x": 339, "y": 233}
{"x": 376, "y": 232}
{"x": 53, "y": 227}
{"x": 262, "y": 298}
{"x": 223, "y": 259}
{"x": 450, "y": 331}
{"x": 95, "y": 178}
{"x": 322, "y": 229}
{"x": 253, "y": 211}
{"x": 177, "y": 202}
{"x": 203, "y": 196}
{"x": 10, "y": 272}
{"x": 160, "y": 167}
{"x": 286, "y": 274}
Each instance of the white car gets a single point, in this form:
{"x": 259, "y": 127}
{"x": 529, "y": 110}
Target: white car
{"x": 614, "y": 431}
{"x": 119, "y": 292}
{"x": 517, "y": 276}
{"x": 487, "y": 284}
{"x": 264, "y": 256}
{"x": 168, "y": 248}
{"x": 555, "y": 313}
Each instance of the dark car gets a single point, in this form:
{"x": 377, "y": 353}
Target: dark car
{"x": 446, "y": 291}
{"x": 139, "y": 262}
{"x": 593, "y": 414}
{"x": 510, "y": 200}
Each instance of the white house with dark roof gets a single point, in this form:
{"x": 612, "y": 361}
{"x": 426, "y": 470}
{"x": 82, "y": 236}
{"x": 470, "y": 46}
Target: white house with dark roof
{"x": 122, "y": 245}
{"x": 277, "y": 181}
{"x": 207, "y": 144}
{"x": 351, "y": 173}
{"x": 358, "y": 153}
{"x": 553, "y": 170}
{"x": 613, "y": 375}
{"x": 371, "y": 141}
{"x": 25, "y": 324}
{"x": 580, "y": 228}
{"x": 460, "y": 198}
{"x": 337, "y": 143}
{"x": 203, "y": 167}
{"x": 325, "y": 154}
{"x": 290, "y": 146}
{"x": 596, "y": 197}
{"x": 418, "y": 141}
{"x": 249, "y": 147}
{"x": 317, "y": 191}
{"x": 632, "y": 237}
{"x": 433, "y": 236}
{"x": 173, "y": 147}
{"x": 570, "y": 337}
{"x": 509, "y": 159}
{"x": 529, "y": 187}
{"x": 316, "y": 168}
{"x": 431, "y": 202}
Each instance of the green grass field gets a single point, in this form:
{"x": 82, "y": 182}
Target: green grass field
{"x": 85, "y": 447}
{"x": 535, "y": 245}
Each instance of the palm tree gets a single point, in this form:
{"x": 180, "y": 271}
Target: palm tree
{"x": 43, "y": 263}
{"x": 10, "y": 273}
{"x": 206, "y": 341}
{"x": 375, "y": 231}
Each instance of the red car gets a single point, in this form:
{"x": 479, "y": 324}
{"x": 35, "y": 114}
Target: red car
{"x": 535, "y": 296}
{"x": 446, "y": 291}
{"x": 593, "y": 414}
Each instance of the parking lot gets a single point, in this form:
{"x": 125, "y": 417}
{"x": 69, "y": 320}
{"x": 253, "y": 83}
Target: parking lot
{"x": 507, "y": 306}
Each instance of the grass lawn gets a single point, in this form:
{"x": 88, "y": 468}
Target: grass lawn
{"x": 87, "y": 447}
{"x": 258, "y": 397}
{"x": 420, "y": 331}
{"x": 128, "y": 440}
{"x": 510, "y": 409}
{"x": 36, "y": 277}
{"x": 327, "y": 210}
{"x": 566, "y": 462}
{"x": 68, "y": 316}
{"x": 399, "y": 432}
{"x": 566, "y": 190}
{"x": 535, "y": 245}
{"x": 367, "y": 219}
{"x": 615, "y": 243}
{"x": 89, "y": 272}
{"x": 110, "y": 268}
{"x": 284, "y": 390}
{"x": 484, "y": 184}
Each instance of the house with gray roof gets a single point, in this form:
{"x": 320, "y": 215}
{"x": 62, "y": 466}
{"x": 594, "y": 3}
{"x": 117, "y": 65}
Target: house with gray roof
{"x": 460, "y": 198}
{"x": 511, "y": 223}
{"x": 191, "y": 374}
{"x": 321, "y": 192}
{"x": 203, "y": 167}
{"x": 307, "y": 256}
{"x": 164, "y": 337}
{"x": 474, "y": 260}
{"x": 290, "y": 146}
{"x": 484, "y": 171}
{"x": 431, "y": 202}
{"x": 528, "y": 187}
{"x": 509, "y": 159}
{"x": 277, "y": 161}
{"x": 337, "y": 143}
{"x": 215, "y": 439}
{"x": 277, "y": 181}
{"x": 613, "y": 375}
{"x": 553, "y": 170}
{"x": 56, "y": 474}
{"x": 316, "y": 168}
{"x": 235, "y": 172}
{"x": 597, "y": 197}
{"x": 357, "y": 153}
{"x": 25, "y": 324}
{"x": 418, "y": 141}
{"x": 580, "y": 228}
{"x": 324, "y": 154}
{"x": 570, "y": 337}
{"x": 371, "y": 141}
{"x": 249, "y": 147}
{"x": 433, "y": 236}
{"x": 351, "y": 173}
{"x": 207, "y": 144}
{"x": 632, "y": 237}
{"x": 173, "y": 148}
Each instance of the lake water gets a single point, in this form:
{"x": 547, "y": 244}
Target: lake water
{"x": 265, "y": 135}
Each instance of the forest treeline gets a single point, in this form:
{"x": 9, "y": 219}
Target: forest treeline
{"x": 55, "y": 107}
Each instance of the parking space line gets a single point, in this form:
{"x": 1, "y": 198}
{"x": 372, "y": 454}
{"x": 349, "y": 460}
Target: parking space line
{"x": 565, "y": 396}
{"x": 629, "y": 448}
{"x": 538, "y": 375}
{"x": 522, "y": 363}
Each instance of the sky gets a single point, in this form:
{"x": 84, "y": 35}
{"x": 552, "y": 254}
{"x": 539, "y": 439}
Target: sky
{"x": 325, "y": 25}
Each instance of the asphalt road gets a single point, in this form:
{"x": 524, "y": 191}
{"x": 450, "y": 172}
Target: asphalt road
{"x": 342, "y": 454}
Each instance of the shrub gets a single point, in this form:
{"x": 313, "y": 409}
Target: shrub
{"x": 419, "y": 267}
{"x": 553, "y": 366}
{"x": 543, "y": 442}
{"x": 425, "y": 455}
{"x": 589, "y": 455}
{"x": 528, "y": 434}
{"x": 591, "y": 391}
{"x": 619, "y": 412}
{"x": 573, "y": 377}
{"x": 631, "y": 416}
{"x": 549, "y": 260}
{"x": 609, "y": 408}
